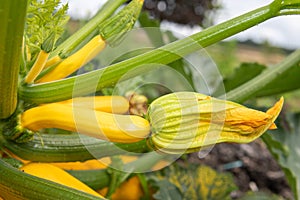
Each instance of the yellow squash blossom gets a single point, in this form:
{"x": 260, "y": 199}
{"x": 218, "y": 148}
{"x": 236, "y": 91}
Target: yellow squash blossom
{"x": 186, "y": 121}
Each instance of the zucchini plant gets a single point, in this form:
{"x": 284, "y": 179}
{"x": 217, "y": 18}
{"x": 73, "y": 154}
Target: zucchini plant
{"x": 51, "y": 114}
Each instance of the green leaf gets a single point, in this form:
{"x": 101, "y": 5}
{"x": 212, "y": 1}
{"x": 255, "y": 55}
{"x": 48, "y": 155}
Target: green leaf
{"x": 154, "y": 34}
{"x": 43, "y": 19}
{"x": 260, "y": 196}
{"x": 194, "y": 182}
{"x": 251, "y": 87}
{"x": 284, "y": 145}
{"x": 285, "y": 82}
{"x": 167, "y": 191}
{"x": 241, "y": 75}
{"x": 214, "y": 185}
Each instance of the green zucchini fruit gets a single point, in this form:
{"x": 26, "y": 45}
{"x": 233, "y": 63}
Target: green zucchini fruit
{"x": 68, "y": 148}
{"x": 95, "y": 179}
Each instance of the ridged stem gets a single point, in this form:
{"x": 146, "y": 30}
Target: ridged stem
{"x": 89, "y": 30}
{"x": 12, "y": 20}
{"x": 63, "y": 89}
{"x": 251, "y": 87}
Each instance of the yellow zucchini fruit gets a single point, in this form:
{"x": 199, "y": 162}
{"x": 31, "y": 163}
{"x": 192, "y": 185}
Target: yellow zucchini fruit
{"x": 37, "y": 66}
{"x": 186, "y": 121}
{"x": 110, "y": 104}
{"x": 131, "y": 189}
{"x": 98, "y": 124}
{"x": 75, "y": 61}
{"x": 52, "y": 61}
{"x": 55, "y": 174}
{"x": 103, "y": 163}
{"x": 87, "y": 165}
{"x": 111, "y": 32}
{"x": 91, "y": 164}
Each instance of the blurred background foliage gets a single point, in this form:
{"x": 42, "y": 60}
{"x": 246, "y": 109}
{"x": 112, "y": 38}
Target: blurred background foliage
{"x": 192, "y": 12}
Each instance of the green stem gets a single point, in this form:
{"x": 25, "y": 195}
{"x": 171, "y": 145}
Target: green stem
{"x": 63, "y": 89}
{"x": 89, "y": 29}
{"x": 292, "y": 11}
{"x": 251, "y": 87}
{"x": 289, "y": 7}
{"x": 146, "y": 188}
{"x": 145, "y": 162}
{"x": 12, "y": 20}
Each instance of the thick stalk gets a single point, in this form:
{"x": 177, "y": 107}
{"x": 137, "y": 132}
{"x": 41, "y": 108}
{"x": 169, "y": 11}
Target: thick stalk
{"x": 251, "y": 87}
{"x": 12, "y": 20}
{"x": 63, "y": 89}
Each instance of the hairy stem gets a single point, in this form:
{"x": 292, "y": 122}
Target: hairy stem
{"x": 12, "y": 20}
{"x": 63, "y": 89}
{"x": 89, "y": 30}
{"x": 250, "y": 88}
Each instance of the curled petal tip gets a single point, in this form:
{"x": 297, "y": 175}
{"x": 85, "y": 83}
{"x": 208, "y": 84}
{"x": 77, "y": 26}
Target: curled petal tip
{"x": 274, "y": 111}
{"x": 273, "y": 126}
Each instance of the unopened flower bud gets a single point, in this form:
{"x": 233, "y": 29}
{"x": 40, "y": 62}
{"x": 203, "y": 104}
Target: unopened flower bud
{"x": 186, "y": 121}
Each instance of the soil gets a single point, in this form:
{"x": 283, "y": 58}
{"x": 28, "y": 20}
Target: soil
{"x": 252, "y": 165}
